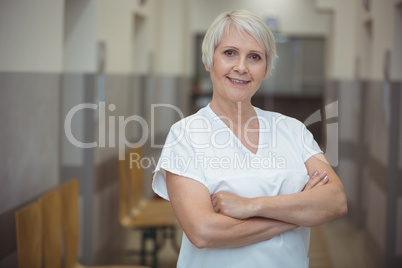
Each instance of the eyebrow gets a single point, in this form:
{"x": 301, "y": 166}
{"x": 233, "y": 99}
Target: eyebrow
{"x": 252, "y": 51}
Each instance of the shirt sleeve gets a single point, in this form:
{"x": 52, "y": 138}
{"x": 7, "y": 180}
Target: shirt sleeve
{"x": 305, "y": 140}
{"x": 310, "y": 146}
{"x": 178, "y": 157}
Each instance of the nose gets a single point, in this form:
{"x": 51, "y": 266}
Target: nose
{"x": 241, "y": 66}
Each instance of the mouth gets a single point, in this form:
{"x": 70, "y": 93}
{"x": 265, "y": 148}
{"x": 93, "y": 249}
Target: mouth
{"x": 238, "y": 81}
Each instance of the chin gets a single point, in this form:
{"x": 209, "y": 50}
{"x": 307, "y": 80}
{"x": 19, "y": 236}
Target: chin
{"x": 237, "y": 98}
{"x": 240, "y": 95}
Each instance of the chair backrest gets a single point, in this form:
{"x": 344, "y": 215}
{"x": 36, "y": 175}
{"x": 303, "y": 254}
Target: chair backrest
{"x": 130, "y": 182}
{"x": 136, "y": 175}
{"x": 124, "y": 192}
{"x": 29, "y": 236}
{"x": 70, "y": 222}
{"x": 51, "y": 227}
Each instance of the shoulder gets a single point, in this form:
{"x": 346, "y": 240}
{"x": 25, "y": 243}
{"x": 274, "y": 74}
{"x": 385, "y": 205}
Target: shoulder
{"x": 201, "y": 119}
{"x": 192, "y": 126}
{"x": 279, "y": 120}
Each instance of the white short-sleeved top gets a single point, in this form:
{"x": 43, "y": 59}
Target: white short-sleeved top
{"x": 202, "y": 147}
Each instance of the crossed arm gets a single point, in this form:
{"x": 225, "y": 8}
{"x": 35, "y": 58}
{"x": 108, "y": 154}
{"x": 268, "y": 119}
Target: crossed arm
{"x": 191, "y": 202}
{"x": 307, "y": 208}
{"x": 205, "y": 228}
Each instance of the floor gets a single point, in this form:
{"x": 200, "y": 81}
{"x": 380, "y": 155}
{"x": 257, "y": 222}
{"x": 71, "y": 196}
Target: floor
{"x": 333, "y": 245}
{"x": 346, "y": 245}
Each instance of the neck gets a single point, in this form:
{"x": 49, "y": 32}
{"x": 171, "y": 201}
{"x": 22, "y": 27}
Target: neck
{"x": 233, "y": 113}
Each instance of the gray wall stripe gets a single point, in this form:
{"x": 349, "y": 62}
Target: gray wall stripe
{"x": 376, "y": 254}
{"x": 84, "y": 172}
{"x": 378, "y": 173}
{"x": 348, "y": 150}
{"x": 87, "y": 181}
{"x": 39, "y": 93}
{"x": 393, "y": 179}
{"x": 361, "y": 158}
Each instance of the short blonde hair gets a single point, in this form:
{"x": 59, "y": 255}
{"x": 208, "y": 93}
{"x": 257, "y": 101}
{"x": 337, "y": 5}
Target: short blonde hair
{"x": 242, "y": 20}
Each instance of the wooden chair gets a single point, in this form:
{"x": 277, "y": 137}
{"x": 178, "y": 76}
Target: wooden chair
{"x": 133, "y": 206}
{"x": 69, "y": 193}
{"x": 51, "y": 226}
{"x": 145, "y": 215}
{"x": 29, "y": 236}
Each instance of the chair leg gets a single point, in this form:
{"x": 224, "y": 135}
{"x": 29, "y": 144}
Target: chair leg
{"x": 152, "y": 234}
{"x": 143, "y": 250}
{"x": 176, "y": 247}
{"x": 155, "y": 251}
{"x": 169, "y": 232}
{"x": 149, "y": 233}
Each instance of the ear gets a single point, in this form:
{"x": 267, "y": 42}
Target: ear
{"x": 206, "y": 68}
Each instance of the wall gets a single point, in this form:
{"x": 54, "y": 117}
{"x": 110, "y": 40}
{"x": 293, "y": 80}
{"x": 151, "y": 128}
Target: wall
{"x": 23, "y": 47}
{"x": 369, "y": 118}
{"x": 30, "y": 65}
{"x": 288, "y": 12}
{"x": 144, "y": 65}
{"x": 49, "y": 64}
{"x": 79, "y": 45}
{"x": 29, "y": 142}
{"x": 396, "y": 63}
{"x": 295, "y": 17}
{"x": 117, "y": 31}
{"x": 172, "y": 46}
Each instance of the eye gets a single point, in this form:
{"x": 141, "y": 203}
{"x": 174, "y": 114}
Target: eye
{"x": 229, "y": 52}
{"x": 255, "y": 56}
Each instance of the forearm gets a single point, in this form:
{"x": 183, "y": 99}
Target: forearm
{"x": 205, "y": 228}
{"x": 308, "y": 208}
{"x": 220, "y": 231}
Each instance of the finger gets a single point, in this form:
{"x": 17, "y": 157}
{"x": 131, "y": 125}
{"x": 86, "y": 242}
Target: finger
{"x": 216, "y": 196}
{"x": 314, "y": 179}
{"x": 213, "y": 197}
{"x": 317, "y": 177}
{"x": 216, "y": 209}
{"x": 322, "y": 182}
{"x": 215, "y": 202}
{"x": 215, "y": 206}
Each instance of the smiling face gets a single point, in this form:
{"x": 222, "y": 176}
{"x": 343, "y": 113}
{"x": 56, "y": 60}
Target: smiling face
{"x": 239, "y": 66}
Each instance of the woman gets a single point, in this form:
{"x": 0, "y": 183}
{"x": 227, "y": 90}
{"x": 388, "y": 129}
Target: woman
{"x": 245, "y": 184}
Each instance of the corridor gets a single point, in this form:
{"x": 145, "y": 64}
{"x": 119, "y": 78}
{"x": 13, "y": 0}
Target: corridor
{"x": 90, "y": 86}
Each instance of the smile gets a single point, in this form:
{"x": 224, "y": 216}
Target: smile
{"x": 237, "y": 81}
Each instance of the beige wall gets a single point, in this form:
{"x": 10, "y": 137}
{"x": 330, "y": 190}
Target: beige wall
{"x": 295, "y": 17}
{"x": 115, "y": 26}
{"x": 349, "y": 40}
{"x": 162, "y": 48}
{"x": 172, "y": 37}
{"x": 396, "y": 70}
{"x": 382, "y": 14}
{"x": 341, "y": 55}
{"x": 31, "y": 40}
{"x": 79, "y": 47}
{"x": 169, "y": 38}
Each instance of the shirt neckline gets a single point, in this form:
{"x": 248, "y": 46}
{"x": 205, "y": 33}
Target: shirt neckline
{"x": 233, "y": 134}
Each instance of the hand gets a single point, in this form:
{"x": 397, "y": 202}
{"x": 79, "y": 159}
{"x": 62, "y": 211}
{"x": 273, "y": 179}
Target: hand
{"x": 316, "y": 180}
{"x": 231, "y": 205}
